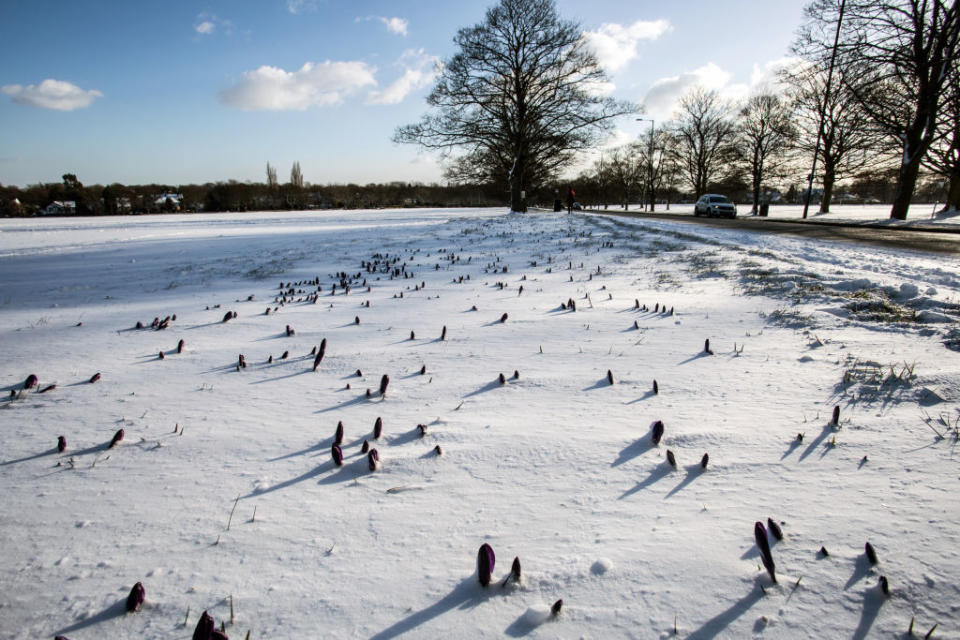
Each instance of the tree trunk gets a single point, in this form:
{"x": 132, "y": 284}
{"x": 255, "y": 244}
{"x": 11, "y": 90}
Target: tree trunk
{"x": 906, "y": 182}
{"x": 953, "y": 191}
{"x": 517, "y": 201}
{"x": 829, "y": 177}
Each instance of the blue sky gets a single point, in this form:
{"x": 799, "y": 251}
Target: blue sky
{"x": 183, "y": 91}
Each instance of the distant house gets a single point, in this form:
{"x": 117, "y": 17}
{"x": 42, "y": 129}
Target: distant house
{"x": 174, "y": 200}
{"x": 61, "y": 208}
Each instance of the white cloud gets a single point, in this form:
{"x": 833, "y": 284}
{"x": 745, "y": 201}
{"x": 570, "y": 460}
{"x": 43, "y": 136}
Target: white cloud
{"x": 419, "y": 70}
{"x": 208, "y": 23}
{"x": 664, "y": 95}
{"x": 393, "y": 25}
{"x": 616, "y": 45}
{"x": 51, "y": 94}
{"x": 313, "y": 85}
{"x": 301, "y": 6}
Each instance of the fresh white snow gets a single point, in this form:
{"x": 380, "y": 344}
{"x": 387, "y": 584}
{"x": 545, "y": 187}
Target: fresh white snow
{"x": 555, "y": 467}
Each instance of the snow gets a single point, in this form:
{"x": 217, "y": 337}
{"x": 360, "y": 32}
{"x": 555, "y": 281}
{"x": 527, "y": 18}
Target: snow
{"x": 919, "y": 215}
{"x": 223, "y": 489}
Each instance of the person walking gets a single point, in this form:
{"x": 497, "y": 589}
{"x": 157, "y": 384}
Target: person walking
{"x": 571, "y": 196}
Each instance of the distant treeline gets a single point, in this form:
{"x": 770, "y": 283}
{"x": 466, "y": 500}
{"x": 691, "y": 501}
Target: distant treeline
{"x": 117, "y": 199}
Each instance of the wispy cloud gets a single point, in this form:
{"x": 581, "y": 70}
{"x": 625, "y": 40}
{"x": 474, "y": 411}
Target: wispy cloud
{"x": 301, "y": 6}
{"x": 663, "y": 97}
{"x": 393, "y": 25}
{"x": 313, "y": 85}
{"x": 419, "y": 70}
{"x": 207, "y": 24}
{"x": 51, "y": 94}
{"x": 616, "y": 45}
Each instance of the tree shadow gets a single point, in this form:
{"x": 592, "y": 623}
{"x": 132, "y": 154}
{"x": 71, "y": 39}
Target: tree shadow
{"x": 36, "y": 456}
{"x": 716, "y": 625}
{"x": 694, "y": 471}
{"x": 873, "y": 600}
{"x": 116, "y": 610}
{"x": 275, "y": 336}
{"x": 816, "y": 442}
{"x": 465, "y": 595}
{"x": 323, "y": 468}
{"x": 658, "y": 473}
{"x": 860, "y": 571}
{"x": 632, "y": 450}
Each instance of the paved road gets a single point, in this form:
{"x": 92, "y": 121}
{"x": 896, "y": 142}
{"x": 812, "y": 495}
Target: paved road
{"x": 937, "y": 241}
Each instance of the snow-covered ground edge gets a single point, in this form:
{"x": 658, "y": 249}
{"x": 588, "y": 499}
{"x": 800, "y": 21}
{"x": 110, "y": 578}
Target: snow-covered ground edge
{"x": 555, "y": 465}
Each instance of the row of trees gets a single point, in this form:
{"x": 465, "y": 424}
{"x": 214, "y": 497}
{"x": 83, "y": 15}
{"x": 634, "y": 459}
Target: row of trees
{"x": 877, "y": 86}
{"x": 116, "y": 198}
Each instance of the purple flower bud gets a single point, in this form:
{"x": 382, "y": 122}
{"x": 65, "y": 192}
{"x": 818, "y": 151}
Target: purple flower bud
{"x": 204, "y": 627}
{"x": 503, "y": 318}
{"x": 137, "y": 595}
{"x": 117, "y": 437}
{"x": 95, "y": 377}
{"x": 871, "y": 553}
{"x": 775, "y": 529}
{"x": 836, "y": 416}
{"x": 423, "y": 370}
{"x": 556, "y": 608}
{"x": 657, "y": 434}
{"x": 377, "y": 428}
{"x": 384, "y": 382}
{"x": 180, "y": 346}
{"x": 656, "y": 388}
{"x": 760, "y": 535}
{"x": 365, "y": 447}
{"x": 337, "y": 455}
{"x": 373, "y": 459}
{"x": 671, "y": 459}
{"x": 443, "y": 334}
{"x": 609, "y": 376}
{"x": 228, "y": 316}
{"x": 30, "y": 382}
{"x": 217, "y": 634}
{"x": 485, "y": 563}
{"x": 62, "y": 444}
{"x": 338, "y": 436}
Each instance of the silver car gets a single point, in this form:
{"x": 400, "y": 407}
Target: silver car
{"x": 713, "y": 204}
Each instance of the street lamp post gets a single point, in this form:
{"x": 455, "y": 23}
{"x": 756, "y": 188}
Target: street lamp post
{"x": 650, "y": 193}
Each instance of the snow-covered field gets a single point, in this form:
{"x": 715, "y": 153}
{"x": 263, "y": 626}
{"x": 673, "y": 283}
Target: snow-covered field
{"x": 223, "y": 495}
{"x": 920, "y": 215}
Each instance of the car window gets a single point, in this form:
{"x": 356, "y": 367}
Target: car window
{"x": 719, "y": 199}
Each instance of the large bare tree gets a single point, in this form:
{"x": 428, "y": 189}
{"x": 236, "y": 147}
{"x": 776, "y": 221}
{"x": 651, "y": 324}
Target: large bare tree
{"x": 944, "y": 156}
{"x": 517, "y": 100}
{"x": 766, "y": 133}
{"x": 703, "y": 139}
{"x": 899, "y": 53}
{"x": 849, "y": 141}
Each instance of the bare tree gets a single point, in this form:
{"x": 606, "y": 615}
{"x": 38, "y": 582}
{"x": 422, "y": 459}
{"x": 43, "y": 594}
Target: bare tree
{"x": 704, "y": 136}
{"x": 849, "y": 142}
{"x": 899, "y": 54}
{"x": 766, "y": 133}
{"x": 271, "y": 176}
{"x": 944, "y": 156}
{"x": 624, "y": 171}
{"x": 517, "y": 99}
{"x": 296, "y": 176}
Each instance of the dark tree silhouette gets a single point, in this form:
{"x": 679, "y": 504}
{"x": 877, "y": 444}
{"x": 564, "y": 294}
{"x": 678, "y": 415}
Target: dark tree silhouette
{"x": 517, "y": 99}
